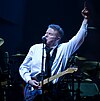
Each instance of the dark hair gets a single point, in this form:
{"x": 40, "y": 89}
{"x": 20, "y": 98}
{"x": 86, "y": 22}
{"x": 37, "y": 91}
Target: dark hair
{"x": 58, "y": 28}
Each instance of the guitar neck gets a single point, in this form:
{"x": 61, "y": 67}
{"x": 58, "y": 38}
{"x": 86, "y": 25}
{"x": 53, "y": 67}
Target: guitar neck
{"x": 47, "y": 80}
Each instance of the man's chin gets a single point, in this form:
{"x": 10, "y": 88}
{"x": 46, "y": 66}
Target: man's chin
{"x": 47, "y": 44}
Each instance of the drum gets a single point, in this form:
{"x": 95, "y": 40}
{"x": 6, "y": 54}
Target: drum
{"x": 87, "y": 88}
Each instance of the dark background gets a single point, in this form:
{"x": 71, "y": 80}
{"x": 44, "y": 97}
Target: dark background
{"x": 24, "y": 22}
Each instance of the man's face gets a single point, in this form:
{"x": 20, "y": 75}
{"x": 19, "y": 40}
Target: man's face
{"x": 52, "y": 37}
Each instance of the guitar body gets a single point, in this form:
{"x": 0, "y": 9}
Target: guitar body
{"x": 30, "y": 93}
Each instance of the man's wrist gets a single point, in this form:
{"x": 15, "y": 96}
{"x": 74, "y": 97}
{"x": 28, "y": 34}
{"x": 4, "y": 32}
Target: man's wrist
{"x": 29, "y": 82}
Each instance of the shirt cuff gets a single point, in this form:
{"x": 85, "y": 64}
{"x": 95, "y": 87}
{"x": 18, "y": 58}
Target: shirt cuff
{"x": 27, "y": 78}
{"x": 84, "y": 24}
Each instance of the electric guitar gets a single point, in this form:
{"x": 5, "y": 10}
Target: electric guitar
{"x": 31, "y": 93}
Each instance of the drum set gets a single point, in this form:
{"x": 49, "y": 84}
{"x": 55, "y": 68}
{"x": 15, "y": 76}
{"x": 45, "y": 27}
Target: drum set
{"x": 84, "y": 83}
{"x": 11, "y": 84}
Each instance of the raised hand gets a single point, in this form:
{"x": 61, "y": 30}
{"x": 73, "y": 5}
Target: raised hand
{"x": 85, "y": 12}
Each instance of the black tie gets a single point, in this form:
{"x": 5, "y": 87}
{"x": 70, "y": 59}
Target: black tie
{"x": 49, "y": 60}
{"x": 47, "y": 64}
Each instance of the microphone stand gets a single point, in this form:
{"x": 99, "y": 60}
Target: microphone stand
{"x": 42, "y": 72}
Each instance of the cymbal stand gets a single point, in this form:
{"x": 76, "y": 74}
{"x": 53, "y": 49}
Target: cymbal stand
{"x": 72, "y": 87}
{"x": 73, "y": 77}
{"x": 75, "y": 92}
{"x": 78, "y": 97}
{"x": 7, "y": 64}
{"x": 8, "y": 74}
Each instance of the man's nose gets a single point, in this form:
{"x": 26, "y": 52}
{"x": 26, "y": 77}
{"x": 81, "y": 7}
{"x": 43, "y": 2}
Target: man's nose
{"x": 46, "y": 35}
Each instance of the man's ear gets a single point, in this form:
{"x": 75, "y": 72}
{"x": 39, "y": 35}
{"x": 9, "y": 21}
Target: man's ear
{"x": 59, "y": 38}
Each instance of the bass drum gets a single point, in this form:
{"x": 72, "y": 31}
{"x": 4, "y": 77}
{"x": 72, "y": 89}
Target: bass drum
{"x": 87, "y": 91}
{"x": 87, "y": 88}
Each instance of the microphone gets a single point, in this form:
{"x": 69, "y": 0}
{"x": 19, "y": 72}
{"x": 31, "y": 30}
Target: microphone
{"x": 44, "y": 39}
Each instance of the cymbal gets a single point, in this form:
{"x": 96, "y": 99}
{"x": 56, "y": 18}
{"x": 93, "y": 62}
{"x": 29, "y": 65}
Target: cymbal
{"x": 80, "y": 58}
{"x": 1, "y": 41}
{"x": 18, "y": 55}
{"x": 88, "y": 79}
{"x": 90, "y": 65}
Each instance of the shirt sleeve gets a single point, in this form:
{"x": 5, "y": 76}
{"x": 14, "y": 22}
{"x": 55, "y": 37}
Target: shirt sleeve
{"x": 25, "y": 68}
{"x": 81, "y": 34}
{"x": 77, "y": 40}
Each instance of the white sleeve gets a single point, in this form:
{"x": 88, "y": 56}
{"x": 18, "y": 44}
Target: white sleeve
{"x": 25, "y": 68}
{"x": 78, "y": 39}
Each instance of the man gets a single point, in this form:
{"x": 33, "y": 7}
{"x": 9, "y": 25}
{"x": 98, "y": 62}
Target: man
{"x": 60, "y": 52}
